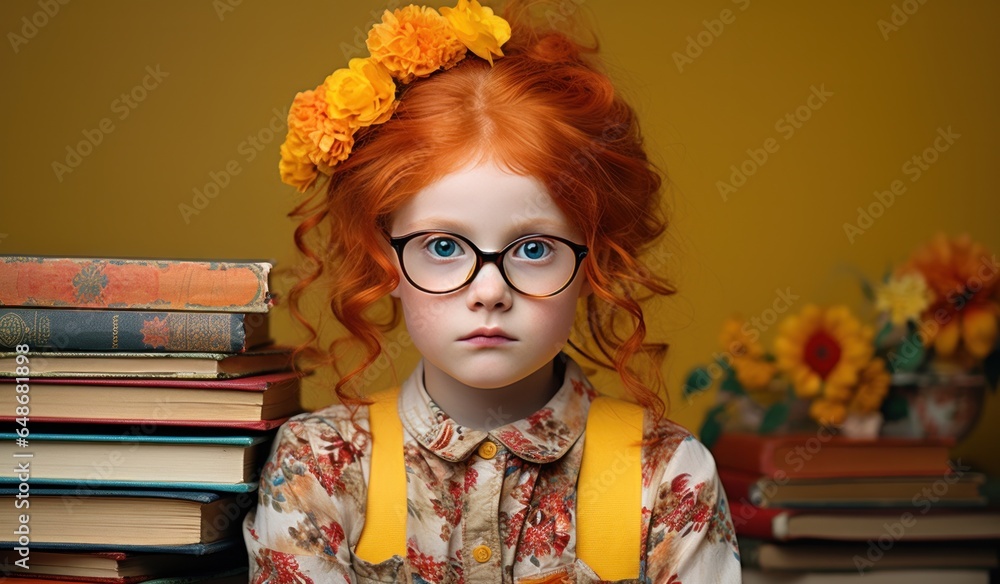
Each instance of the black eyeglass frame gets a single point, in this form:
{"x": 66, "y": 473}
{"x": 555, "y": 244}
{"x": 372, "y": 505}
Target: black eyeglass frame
{"x": 482, "y": 257}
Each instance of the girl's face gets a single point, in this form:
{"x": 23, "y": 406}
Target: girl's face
{"x": 491, "y": 208}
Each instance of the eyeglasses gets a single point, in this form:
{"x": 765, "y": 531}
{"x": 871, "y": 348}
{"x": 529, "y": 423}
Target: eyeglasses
{"x": 438, "y": 262}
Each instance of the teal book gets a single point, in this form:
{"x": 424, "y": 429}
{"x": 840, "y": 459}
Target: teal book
{"x": 88, "y": 462}
{"x": 60, "y": 329}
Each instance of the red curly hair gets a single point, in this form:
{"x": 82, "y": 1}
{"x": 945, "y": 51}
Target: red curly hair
{"x": 543, "y": 110}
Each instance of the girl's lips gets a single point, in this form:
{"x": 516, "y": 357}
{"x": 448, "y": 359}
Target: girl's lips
{"x": 487, "y": 341}
{"x": 488, "y": 332}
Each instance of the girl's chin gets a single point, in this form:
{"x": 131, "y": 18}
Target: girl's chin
{"x": 490, "y": 372}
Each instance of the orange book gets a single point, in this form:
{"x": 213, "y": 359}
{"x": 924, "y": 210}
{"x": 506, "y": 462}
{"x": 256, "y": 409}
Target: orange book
{"x": 134, "y": 284}
{"x": 825, "y": 455}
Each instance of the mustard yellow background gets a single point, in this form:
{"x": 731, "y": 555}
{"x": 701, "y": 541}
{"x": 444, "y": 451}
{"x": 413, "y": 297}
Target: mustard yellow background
{"x": 708, "y": 85}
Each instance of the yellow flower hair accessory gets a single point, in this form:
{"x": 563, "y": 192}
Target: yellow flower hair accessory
{"x": 477, "y": 27}
{"x": 410, "y": 43}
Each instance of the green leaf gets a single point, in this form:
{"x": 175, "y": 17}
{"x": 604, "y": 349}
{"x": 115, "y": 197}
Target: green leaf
{"x": 711, "y": 428}
{"x": 697, "y": 381}
{"x": 909, "y": 355}
{"x": 895, "y": 407}
{"x": 732, "y": 385}
{"x": 774, "y": 417}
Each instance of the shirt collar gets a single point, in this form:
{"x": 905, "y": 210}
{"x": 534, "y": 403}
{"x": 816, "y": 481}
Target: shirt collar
{"x": 544, "y": 436}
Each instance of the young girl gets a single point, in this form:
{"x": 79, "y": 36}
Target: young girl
{"x": 483, "y": 175}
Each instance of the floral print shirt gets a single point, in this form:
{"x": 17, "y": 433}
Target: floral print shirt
{"x": 517, "y": 496}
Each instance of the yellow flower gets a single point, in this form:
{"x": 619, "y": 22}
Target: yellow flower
{"x": 477, "y": 28}
{"x": 873, "y": 386}
{"x": 414, "y": 41}
{"x": 295, "y": 167}
{"x": 747, "y": 353}
{"x": 822, "y": 350}
{"x": 313, "y": 142}
{"x": 362, "y": 94}
{"x": 735, "y": 340}
{"x": 904, "y": 297}
{"x": 754, "y": 374}
{"x": 828, "y": 412}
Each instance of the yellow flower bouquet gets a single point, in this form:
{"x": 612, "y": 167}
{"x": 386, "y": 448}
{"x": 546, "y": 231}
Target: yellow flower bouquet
{"x": 919, "y": 369}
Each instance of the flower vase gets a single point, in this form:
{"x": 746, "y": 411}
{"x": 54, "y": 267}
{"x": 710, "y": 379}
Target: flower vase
{"x": 865, "y": 426}
{"x": 934, "y": 405}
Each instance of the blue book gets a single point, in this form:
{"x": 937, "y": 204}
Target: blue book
{"x": 63, "y": 329}
{"x": 84, "y": 462}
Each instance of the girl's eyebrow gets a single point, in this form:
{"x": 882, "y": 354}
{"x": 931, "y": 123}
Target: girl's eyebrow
{"x": 437, "y": 223}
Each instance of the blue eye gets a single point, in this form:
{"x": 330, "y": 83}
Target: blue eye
{"x": 534, "y": 249}
{"x": 444, "y": 247}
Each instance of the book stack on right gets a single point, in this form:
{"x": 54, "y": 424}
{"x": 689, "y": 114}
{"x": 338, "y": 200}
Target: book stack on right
{"x": 825, "y": 509}
{"x": 139, "y": 399}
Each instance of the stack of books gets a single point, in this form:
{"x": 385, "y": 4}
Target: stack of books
{"x": 139, "y": 398}
{"x": 824, "y": 509}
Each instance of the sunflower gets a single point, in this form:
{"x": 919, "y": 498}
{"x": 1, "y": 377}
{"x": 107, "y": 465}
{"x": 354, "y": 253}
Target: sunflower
{"x": 962, "y": 319}
{"x": 822, "y": 350}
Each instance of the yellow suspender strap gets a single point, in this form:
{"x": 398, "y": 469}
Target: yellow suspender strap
{"x": 384, "y": 533}
{"x": 609, "y": 492}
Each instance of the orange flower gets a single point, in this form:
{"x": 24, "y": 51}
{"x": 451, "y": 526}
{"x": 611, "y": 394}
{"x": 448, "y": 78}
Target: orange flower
{"x": 478, "y": 28}
{"x": 964, "y": 278}
{"x": 414, "y": 41}
{"x": 822, "y": 350}
{"x": 314, "y": 141}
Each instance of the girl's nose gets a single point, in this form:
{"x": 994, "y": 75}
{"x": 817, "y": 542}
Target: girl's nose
{"x": 489, "y": 290}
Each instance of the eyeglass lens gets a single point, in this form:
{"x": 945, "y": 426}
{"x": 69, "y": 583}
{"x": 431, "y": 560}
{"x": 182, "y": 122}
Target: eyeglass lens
{"x": 439, "y": 262}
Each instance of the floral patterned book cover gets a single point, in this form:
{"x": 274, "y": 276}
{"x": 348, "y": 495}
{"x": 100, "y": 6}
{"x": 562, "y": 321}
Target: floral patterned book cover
{"x": 134, "y": 284}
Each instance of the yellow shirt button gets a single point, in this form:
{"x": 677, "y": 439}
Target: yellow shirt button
{"x": 488, "y": 450}
{"x": 482, "y": 553}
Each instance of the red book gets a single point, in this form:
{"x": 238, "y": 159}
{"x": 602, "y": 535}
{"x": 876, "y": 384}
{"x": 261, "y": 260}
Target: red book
{"x": 764, "y": 491}
{"x": 913, "y": 523}
{"x": 134, "y": 284}
{"x": 824, "y": 455}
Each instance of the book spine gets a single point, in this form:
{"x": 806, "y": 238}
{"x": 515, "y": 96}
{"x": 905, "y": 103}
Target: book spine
{"x": 745, "y": 487}
{"x": 117, "y": 330}
{"x": 759, "y": 522}
{"x": 134, "y": 284}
